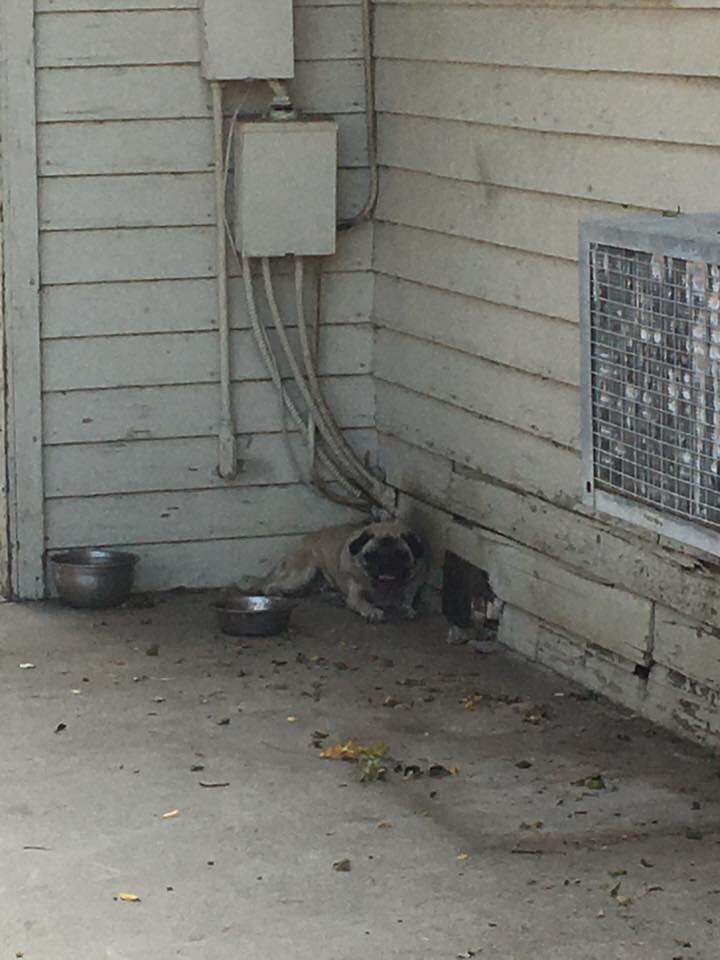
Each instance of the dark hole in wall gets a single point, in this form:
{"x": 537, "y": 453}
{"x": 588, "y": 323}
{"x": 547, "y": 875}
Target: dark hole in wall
{"x": 465, "y": 588}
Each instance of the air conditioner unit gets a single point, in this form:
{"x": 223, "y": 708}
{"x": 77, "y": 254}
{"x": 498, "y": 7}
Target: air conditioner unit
{"x": 650, "y": 373}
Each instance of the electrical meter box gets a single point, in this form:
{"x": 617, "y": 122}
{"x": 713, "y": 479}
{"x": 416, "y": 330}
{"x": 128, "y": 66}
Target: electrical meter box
{"x": 247, "y": 39}
{"x": 285, "y": 187}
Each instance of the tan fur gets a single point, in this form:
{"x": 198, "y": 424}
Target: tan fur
{"x": 328, "y": 552}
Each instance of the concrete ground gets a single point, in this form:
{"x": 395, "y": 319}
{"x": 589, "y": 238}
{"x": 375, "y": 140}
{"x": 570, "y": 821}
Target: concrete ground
{"x": 570, "y": 830}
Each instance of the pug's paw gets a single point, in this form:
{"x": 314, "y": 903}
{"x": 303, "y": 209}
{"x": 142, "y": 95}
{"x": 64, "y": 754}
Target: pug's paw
{"x": 374, "y": 615}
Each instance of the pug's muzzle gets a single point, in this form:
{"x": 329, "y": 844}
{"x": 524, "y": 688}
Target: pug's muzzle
{"x": 390, "y": 564}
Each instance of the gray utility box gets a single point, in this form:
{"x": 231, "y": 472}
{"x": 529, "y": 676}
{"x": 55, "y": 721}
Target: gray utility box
{"x": 247, "y": 39}
{"x": 285, "y": 187}
{"x": 650, "y": 373}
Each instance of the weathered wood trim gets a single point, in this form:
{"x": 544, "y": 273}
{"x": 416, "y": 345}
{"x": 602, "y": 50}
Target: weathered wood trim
{"x": 656, "y": 175}
{"x": 4, "y": 545}
{"x": 22, "y": 330}
{"x": 164, "y": 36}
{"x": 592, "y": 38}
{"x": 555, "y": 100}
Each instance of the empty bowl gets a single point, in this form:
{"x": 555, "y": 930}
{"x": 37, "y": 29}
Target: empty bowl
{"x": 248, "y": 616}
{"x": 91, "y": 577}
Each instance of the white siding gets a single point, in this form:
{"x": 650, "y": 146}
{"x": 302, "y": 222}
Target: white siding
{"x": 128, "y": 310}
{"x": 502, "y": 125}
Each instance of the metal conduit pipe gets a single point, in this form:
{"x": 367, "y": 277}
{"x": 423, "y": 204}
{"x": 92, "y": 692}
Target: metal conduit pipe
{"x": 227, "y": 444}
{"x": 272, "y": 368}
{"x": 373, "y": 191}
{"x": 344, "y": 458}
{"x": 381, "y": 494}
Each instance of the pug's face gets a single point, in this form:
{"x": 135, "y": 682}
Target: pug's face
{"x": 389, "y": 557}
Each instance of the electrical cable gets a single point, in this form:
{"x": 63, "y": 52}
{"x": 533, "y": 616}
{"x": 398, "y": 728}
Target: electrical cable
{"x": 333, "y": 452}
{"x": 375, "y": 488}
{"x": 370, "y": 119}
{"x": 344, "y": 457}
{"x": 272, "y": 368}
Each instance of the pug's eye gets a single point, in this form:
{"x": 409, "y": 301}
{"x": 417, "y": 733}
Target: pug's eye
{"x": 356, "y": 545}
{"x": 415, "y": 544}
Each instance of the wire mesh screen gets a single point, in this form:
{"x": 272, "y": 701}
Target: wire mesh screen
{"x": 655, "y": 380}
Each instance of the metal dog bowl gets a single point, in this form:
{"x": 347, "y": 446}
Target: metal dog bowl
{"x": 254, "y": 616}
{"x": 91, "y": 577}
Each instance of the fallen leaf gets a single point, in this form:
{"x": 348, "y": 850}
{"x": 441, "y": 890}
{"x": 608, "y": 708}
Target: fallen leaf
{"x": 623, "y": 901}
{"x": 60, "y": 727}
{"x": 129, "y": 897}
{"x": 471, "y": 702}
{"x": 535, "y": 715}
{"x": 523, "y": 764}
{"x": 211, "y": 785}
{"x": 158, "y": 700}
{"x": 455, "y": 771}
{"x": 197, "y": 767}
{"x": 618, "y": 873}
{"x": 438, "y": 770}
{"x": 343, "y": 866}
{"x": 353, "y": 751}
{"x": 391, "y": 702}
{"x": 170, "y": 814}
{"x": 350, "y": 750}
{"x": 224, "y": 722}
{"x": 153, "y": 650}
{"x": 594, "y": 782}
{"x": 532, "y": 825}
{"x": 292, "y": 719}
{"x": 463, "y": 856}
{"x": 616, "y": 889}
{"x": 412, "y": 772}
{"x": 468, "y": 954}
{"x": 27, "y": 666}
{"x": 384, "y": 825}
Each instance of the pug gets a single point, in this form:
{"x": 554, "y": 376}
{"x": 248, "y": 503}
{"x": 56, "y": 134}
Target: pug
{"x": 377, "y": 568}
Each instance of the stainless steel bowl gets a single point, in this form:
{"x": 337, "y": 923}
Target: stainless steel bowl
{"x": 90, "y": 577}
{"x": 254, "y": 616}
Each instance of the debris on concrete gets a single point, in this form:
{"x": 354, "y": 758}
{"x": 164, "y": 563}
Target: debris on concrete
{"x": 450, "y": 861}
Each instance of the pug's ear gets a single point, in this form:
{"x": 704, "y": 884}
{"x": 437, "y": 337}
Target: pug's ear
{"x": 417, "y": 547}
{"x": 356, "y": 545}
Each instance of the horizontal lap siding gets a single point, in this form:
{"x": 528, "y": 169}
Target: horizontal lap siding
{"x": 501, "y": 127}
{"x": 129, "y": 314}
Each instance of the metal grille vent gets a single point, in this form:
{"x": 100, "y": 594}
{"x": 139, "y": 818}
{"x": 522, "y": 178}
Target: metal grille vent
{"x": 652, "y": 385}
